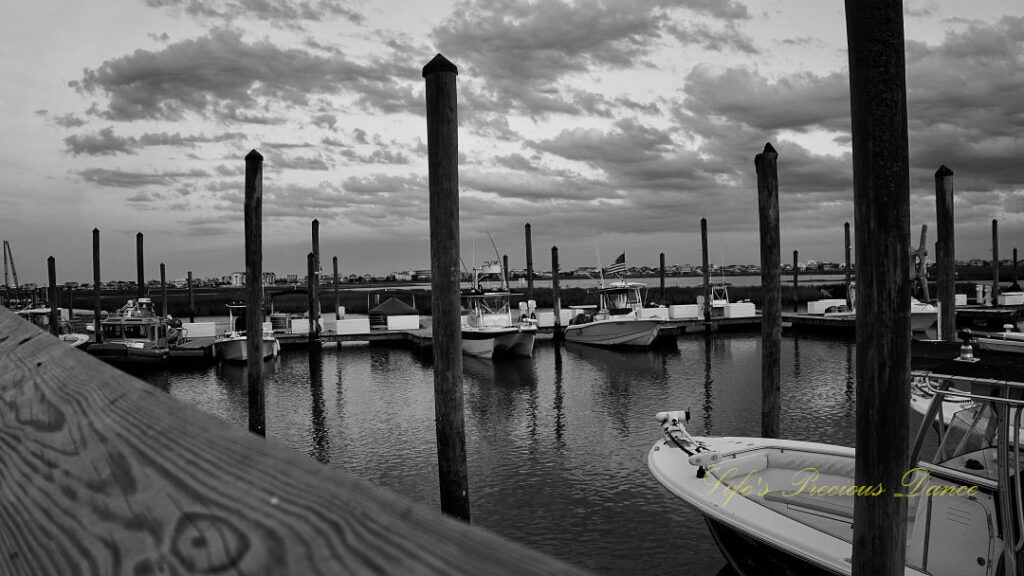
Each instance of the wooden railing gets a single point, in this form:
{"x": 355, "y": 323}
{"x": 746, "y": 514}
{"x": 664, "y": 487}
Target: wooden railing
{"x": 101, "y": 473}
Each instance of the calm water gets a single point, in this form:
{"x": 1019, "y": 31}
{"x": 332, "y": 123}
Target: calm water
{"x": 556, "y": 443}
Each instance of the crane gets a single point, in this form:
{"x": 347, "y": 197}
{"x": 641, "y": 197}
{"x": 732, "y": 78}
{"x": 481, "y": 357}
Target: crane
{"x": 8, "y": 255}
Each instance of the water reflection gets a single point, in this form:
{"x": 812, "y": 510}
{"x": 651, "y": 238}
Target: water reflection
{"x": 556, "y": 444}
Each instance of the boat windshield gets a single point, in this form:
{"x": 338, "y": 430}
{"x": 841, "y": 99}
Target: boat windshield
{"x": 489, "y": 310}
{"x": 971, "y": 441}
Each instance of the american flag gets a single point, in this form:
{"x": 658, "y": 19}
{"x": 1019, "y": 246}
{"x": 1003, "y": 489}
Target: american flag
{"x": 619, "y": 267}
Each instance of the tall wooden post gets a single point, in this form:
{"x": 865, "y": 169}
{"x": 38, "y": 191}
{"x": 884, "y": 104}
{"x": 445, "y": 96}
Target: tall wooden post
{"x": 1015, "y": 285}
{"x": 945, "y": 253}
{"x": 51, "y": 267}
{"x": 337, "y": 300}
{"x": 661, "y": 273}
{"x": 191, "y": 300}
{"x": 706, "y": 268}
{"x": 253, "y": 207}
{"x": 314, "y": 313}
{"x": 995, "y": 261}
{"x": 796, "y": 277}
{"x": 310, "y": 298}
{"x": 504, "y": 269}
{"x": 443, "y": 166}
{"x": 846, "y": 234}
{"x": 529, "y": 261}
{"x": 163, "y": 290}
{"x": 766, "y": 164}
{"x": 97, "y": 289}
{"x": 139, "y": 268}
{"x": 555, "y": 294}
{"x": 882, "y": 235}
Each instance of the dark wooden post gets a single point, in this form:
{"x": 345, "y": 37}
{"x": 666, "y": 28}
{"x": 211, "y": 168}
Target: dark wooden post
{"x": 661, "y": 271}
{"x": 846, "y": 234}
{"x": 1015, "y": 285}
{"x": 529, "y": 262}
{"x": 337, "y": 300}
{"x": 314, "y": 313}
{"x": 796, "y": 278}
{"x": 310, "y": 300}
{"x": 555, "y": 295}
{"x": 945, "y": 253}
{"x": 253, "y": 207}
{"x": 97, "y": 290}
{"x": 71, "y": 304}
{"x": 191, "y": 300}
{"x": 443, "y": 166}
{"x": 163, "y": 290}
{"x": 995, "y": 261}
{"x": 706, "y": 268}
{"x": 139, "y": 268}
{"x": 51, "y": 267}
{"x": 882, "y": 224}
{"x": 504, "y": 269}
{"x": 766, "y": 164}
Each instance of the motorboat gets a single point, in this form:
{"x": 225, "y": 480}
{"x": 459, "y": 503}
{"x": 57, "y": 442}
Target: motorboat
{"x": 136, "y": 334}
{"x": 232, "y": 344}
{"x": 488, "y": 326}
{"x": 922, "y": 315}
{"x": 786, "y": 507}
{"x": 619, "y": 319}
{"x": 40, "y": 316}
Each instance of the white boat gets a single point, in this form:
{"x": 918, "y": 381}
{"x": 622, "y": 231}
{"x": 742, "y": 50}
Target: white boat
{"x": 232, "y": 345}
{"x": 619, "y": 319}
{"x": 922, "y": 315}
{"x": 488, "y": 326}
{"x": 40, "y": 316}
{"x": 135, "y": 334}
{"x": 786, "y": 507}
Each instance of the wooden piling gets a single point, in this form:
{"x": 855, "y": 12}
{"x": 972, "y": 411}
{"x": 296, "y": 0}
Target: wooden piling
{"x": 796, "y": 278}
{"x": 1016, "y": 287}
{"x": 921, "y": 253}
{"x": 882, "y": 221}
{"x": 443, "y": 167}
{"x": 314, "y": 313}
{"x": 310, "y": 298}
{"x": 139, "y": 268}
{"x": 253, "y": 207}
{"x": 846, "y": 234}
{"x": 706, "y": 269}
{"x": 661, "y": 275}
{"x": 51, "y": 267}
{"x": 945, "y": 254}
{"x": 995, "y": 261}
{"x": 556, "y": 295}
{"x": 97, "y": 289}
{"x": 504, "y": 269}
{"x": 163, "y": 290}
{"x": 337, "y": 298}
{"x": 191, "y": 299}
{"x": 529, "y": 262}
{"x": 766, "y": 164}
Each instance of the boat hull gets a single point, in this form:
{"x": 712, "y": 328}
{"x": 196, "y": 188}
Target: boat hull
{"x": 487, "y": 343}
{"x": 749, "y": 556}
{"x": 121, "y": 353}
{"x": 236, "y": 349}
{"x": 626, "y": 333}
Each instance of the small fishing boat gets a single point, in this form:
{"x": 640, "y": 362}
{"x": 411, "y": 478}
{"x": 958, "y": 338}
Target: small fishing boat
{"x": 40, "y": 316}
{"x": 786, "y": 507}
{"x": 232, "y": 345}
{"x": 619, "y": 319}
{"x": 488, "y": 326}
{"x": 135, "y": 334}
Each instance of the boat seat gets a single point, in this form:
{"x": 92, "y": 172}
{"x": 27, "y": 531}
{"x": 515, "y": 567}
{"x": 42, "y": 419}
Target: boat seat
{"x": 836, "y": 505}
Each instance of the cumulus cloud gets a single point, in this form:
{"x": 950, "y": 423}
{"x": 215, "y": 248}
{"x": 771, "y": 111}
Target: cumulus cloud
{"x": 278, "y": 11}
{"x": 220, "y": 75}
{"x": 126, "y": 179}
{"x": 106, "y": 143}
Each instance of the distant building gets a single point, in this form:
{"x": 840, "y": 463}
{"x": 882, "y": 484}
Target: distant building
{"x": 269, "y": 278}
{"x": 237, "y": 279}
{"x": 293, "y": 278}
{"x": 421, "y": 275}
{"x": 404, "y": 276}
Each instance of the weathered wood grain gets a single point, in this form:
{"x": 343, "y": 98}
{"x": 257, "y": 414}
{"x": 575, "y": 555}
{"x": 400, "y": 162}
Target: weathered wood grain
{"x": 103, "y": 474}
{"x": 766, "y": 166}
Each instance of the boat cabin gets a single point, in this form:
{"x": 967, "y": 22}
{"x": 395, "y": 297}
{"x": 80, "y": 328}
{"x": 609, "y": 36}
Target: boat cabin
{"x": 618, "y": 299}
{"x": 135, "y": 322}
{"x": 487, "y": 309}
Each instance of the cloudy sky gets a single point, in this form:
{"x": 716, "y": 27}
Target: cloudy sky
{"x": 617, "y": 124}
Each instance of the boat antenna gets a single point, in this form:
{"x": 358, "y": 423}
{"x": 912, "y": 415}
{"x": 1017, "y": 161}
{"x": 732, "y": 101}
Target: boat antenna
{"x": 504, "y": 284}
